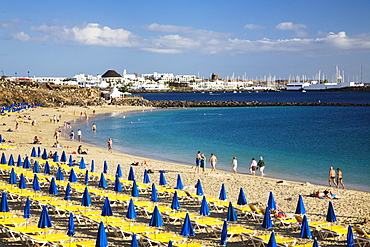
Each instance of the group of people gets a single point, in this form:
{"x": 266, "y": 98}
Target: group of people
{"x": 333, "y": 175}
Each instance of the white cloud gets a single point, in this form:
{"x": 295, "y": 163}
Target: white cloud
{"x": 21, "y": 36}
{"x": 290, "y": 26}
{"x": 253, "y": 26}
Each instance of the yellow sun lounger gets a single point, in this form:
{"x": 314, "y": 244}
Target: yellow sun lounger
{"x": 79, "y": 244}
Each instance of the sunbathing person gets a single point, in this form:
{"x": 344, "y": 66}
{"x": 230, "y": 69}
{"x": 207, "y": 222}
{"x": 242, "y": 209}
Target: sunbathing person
{"x": 36, "y": 140}
{"x": 80, "y": 151}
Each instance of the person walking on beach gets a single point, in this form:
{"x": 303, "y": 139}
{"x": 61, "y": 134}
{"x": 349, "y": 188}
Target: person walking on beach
{"x": 72, "y": 135}
{"x": 340, "y": 178}
{"x": 110, "y": 145}
{"x": 253, "y": 167}
{"x": 261, "y": 165}
{"x": 79, "y": 135}
{"x": 332, "y": 177}
{"x": 203, "y": 160}
{"x": 197, "y": 162}
{"x": 213, "y": 161}
{"x": 234, "y": 164}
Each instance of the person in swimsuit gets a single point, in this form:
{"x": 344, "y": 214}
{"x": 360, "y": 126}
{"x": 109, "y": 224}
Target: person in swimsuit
{"x": 234, "y": 164}
{"x": 332, "y": 177}
{"x": 340, "y": 178}
{"x": 213, "y": 160}
{"x": 197, "y": 162}
{"x": 203, "y": 160}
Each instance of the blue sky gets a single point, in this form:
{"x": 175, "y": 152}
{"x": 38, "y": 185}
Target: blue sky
{"x": 252, "y": 38}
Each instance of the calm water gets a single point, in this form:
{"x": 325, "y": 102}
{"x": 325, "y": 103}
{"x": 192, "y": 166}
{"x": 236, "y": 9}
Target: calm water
{"x": 297, "y": 143}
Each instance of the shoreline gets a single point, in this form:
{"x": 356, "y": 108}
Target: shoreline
{"x": 353, "y": 209}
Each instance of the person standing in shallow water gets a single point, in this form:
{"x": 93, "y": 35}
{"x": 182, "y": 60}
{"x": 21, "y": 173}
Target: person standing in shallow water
{"x": 253, "y": 167}
{"x": 234, "y": 164}
{"x": 332, "y": 177}
{"x": 261, "y": 165}
{"x": 340, "y": 178}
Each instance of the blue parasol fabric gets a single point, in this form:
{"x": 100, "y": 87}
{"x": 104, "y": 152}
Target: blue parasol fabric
{"x": 36, "y": 167}
{"x": 19, "y": 161}
{"x": 35, "y": 183}
{"x": 92, "y": 166}
{"x": 175, "y": 205}
{"x": 22, "y": 182}
{"x": 102, "y": 181}
{"x": 26, "y": 163}
{"x": 3, "y": 159}
{"x": 38, "y": 151}
{"x": 272, "y": 240}
{"x": 179, "y": 184}
{"x": 305, "y": 229}
{"x": 154, "y": 197}
{"x": 59, "y": 174}
{"x": 11, "y": 161}
{"x": 241, "y": 198}
{"x": 131, "y": 174}
{"x": 68, "y": 192}
{"x": 1, "y": 137}
{"x": 33, "y": 152}
{"x": 271, "y": 201}
{"x": 27, "y": 209}
{"x": 350, "y": 240}
{"x": 156, "y": 219}
{"x": 267, "y": 221}
{"x": 222, "y": 193}
{"x": 107, "y": 209}
{"x": 71, "y": 226}
{"x": 4, "y": 203}
{"x": 146, "y": 179}
{"x": 119, "y": 171}
{"x": 101, "y": 239}
{"x": 56, "y": 157}
{"x": 53, "y": 187}
{"x": 87, "y": 177}
{"x": 315, "y": 243}
{"x": 300, "y": 209}
{"x": 82, "y": 163}
{"x": 204, "y": 208}
{"x": 134, "y": 190}
{"x": 187, "y": 228}
{"x": 45, "y": 155}
{"x": 70, "y": 162}
{"x": 134, "y": 242}
{"x": 72, "y": 176}
{"x": 46, "y": 167}
{"x": 170, "y": 244}
{"x": 86, "y": 201}
{"x": 105, "y": 169}
{"x": 63, "y": 157}
{"x": 13, "y": 177}
{"x": 162, "y": 178}
{"x": 131, "y": 212}
{"x": 224, "y": 234}
{"x": 231, "y": 214}
{"x": 330, "y": 216}
{"x": 44, "y": 220}
{"x": 199, "y": 188}
{"x": 117, "y": 185}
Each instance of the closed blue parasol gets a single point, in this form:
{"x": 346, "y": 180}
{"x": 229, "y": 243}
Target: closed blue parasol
{"x": 13, "y": 177}
{"x": 154, "y": 197}
{"x": 162, "y": 178}
{"x": 53, "y": 187}
{"x": 300, "y": 209}
{"x": 92, "y": 166}
{"x": 330, "y": 216}
{"x": 11, "y": 161}
{"x": 305, "y": 229}
{"x": 134, "y": 190}
{"x": 187, "y": 228}
{"x": 102, "y": 181}
{"x": 35, "y": 183}
{"x": 105, "y": 169}
{"x": 26, "y": 163}
{"x": 117, "y": 185}
{"x": 199, "y": 188}
{"x": 19, "y": 161}
{"x": 86, "y": 201}
{"x": 70, "y": 162}
{"x": 59, "y": 174}
{"x": 45, "y": 155}
{"x": 38, "y": 151}
{"x": 231, "y": 214}
{"x": 68, "y": 192}
{"x": 241, "y": 198}
{"x": 63, "y": 157}
{"x": 33, "y": 152}
{"x": 271, "y": 201}
{"x": 22, "y": 182}
{"x": 87, "y": 177}
{"x": 82, "y": 163}
{"x": 71, "y": 226}
{"x": 134, "y": 242}
{"x": 175, "y": 205}
{"x": 170, "y": 244}
{"x": 222, "y": 193}
{"x": 107, "y": 209}
{"x": 46, "y": 168}
{"x": 44, "y": 220}
{"x": 131, "y": 213}
{"x": 27, "y": 209}
{"x": 72, "y": 176}
{"x": 146, "y": 179}
{"x": 204, "y": 208}
{"x": 56, "y": 157}
{"x": 272, "y": 240}
{"x": 4, "y": 203}
{"x": 119, "y": 171}
{"x": 36, "y": 167}
{"x": 101, "y": 240}
{"x": 156, "y": 219}
{"x": 3, "y": 159}
{"x": 350, "y": 240}
{"x": 131, "y": 174}
{"x": 267, "y": 222}
{"x": 224, "y": 234}
{"x": 315, "y": 243}
{"x": 179, "y": 184}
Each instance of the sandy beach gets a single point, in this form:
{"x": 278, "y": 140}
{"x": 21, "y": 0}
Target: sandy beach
{"x": 353, "y": 208}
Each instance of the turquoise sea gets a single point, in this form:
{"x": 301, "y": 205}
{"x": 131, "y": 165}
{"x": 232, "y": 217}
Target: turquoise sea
{"x": 297, "y": 143}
